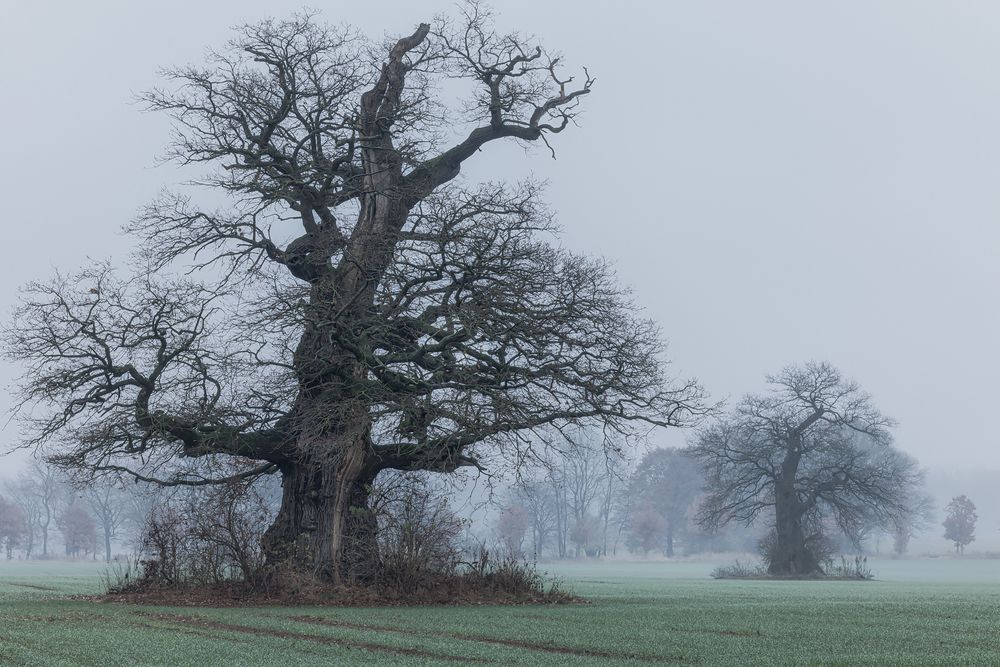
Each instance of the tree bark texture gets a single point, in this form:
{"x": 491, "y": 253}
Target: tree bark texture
{"x": 323, "y": 525}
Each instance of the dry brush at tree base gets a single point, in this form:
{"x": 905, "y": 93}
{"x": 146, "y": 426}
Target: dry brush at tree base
{"x": 204, "y": 549}
{"x": 360, "y": 309}
{"x": 503, "y": 581}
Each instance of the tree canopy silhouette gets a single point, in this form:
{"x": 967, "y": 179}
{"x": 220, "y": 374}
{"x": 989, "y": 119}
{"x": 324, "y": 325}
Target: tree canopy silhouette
{"x": 349, "y": 305}
{"x": 814, "y": 448}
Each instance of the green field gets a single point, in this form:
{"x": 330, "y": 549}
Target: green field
{"x": 935, "y": 612}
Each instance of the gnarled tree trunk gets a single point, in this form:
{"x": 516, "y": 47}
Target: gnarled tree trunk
{"x": 790, "y": 555}
{"x": 324, "y": 526}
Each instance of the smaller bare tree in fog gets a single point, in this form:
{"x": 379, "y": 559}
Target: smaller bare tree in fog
{"x": 615, "y": 505}
{"x": 582, "y": 473}
{"x": 512, "y": 526}
{"x": 30, "y": 509}
{"x": 647, "y": 529}
{"x": 78, "y": 529}
{"x": 13, "y": 526}
{"x": 38, "y": 492}
{"x": 666, "y": 485}
{"x": 575, "y": 499}
{"x": 911, "y": 522}
{"x": 815, "y": 446}
{"x": 960, "y": 522}
{"x": 109, "y": 506}
{"x": 538, "y": 497}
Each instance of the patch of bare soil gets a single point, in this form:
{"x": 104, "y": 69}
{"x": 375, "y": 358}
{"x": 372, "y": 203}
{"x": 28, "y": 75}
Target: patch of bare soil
{"x": 549, "y": 647}
{"x": 201, "y": 622}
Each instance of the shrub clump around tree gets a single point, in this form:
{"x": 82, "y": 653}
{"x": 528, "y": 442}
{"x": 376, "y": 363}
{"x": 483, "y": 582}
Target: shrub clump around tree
{"x": 203, "y": 547}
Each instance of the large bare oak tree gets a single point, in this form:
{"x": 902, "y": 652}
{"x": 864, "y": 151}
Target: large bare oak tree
{"x": 348, "y": 306}
{"x": 814, "y": 448}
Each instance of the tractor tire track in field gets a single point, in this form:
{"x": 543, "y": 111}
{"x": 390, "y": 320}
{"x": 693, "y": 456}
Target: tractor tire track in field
{"x": 513, "y": 643}
{"x": 723, "y": 633}
{"x": 203, "y": 622}
{"x": 33, "y": 587}
{"x": 205, "y": 633}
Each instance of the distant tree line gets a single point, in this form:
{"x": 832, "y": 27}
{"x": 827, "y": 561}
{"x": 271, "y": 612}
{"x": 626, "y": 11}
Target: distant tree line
{"x": 725, "y": 493}
{"x": 41, "y": 504}
{"x": 587, "y": 503}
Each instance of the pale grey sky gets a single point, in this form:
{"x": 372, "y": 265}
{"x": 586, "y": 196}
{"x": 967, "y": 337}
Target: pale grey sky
{"x": 779, "y": 181}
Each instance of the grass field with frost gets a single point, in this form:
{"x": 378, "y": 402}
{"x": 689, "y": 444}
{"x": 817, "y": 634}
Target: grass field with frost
{"x": 934, "y": 612}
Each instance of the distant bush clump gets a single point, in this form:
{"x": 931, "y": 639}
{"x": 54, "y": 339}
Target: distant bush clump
{"x": 740, "y": 571}
{"x": 856, "y": 568}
